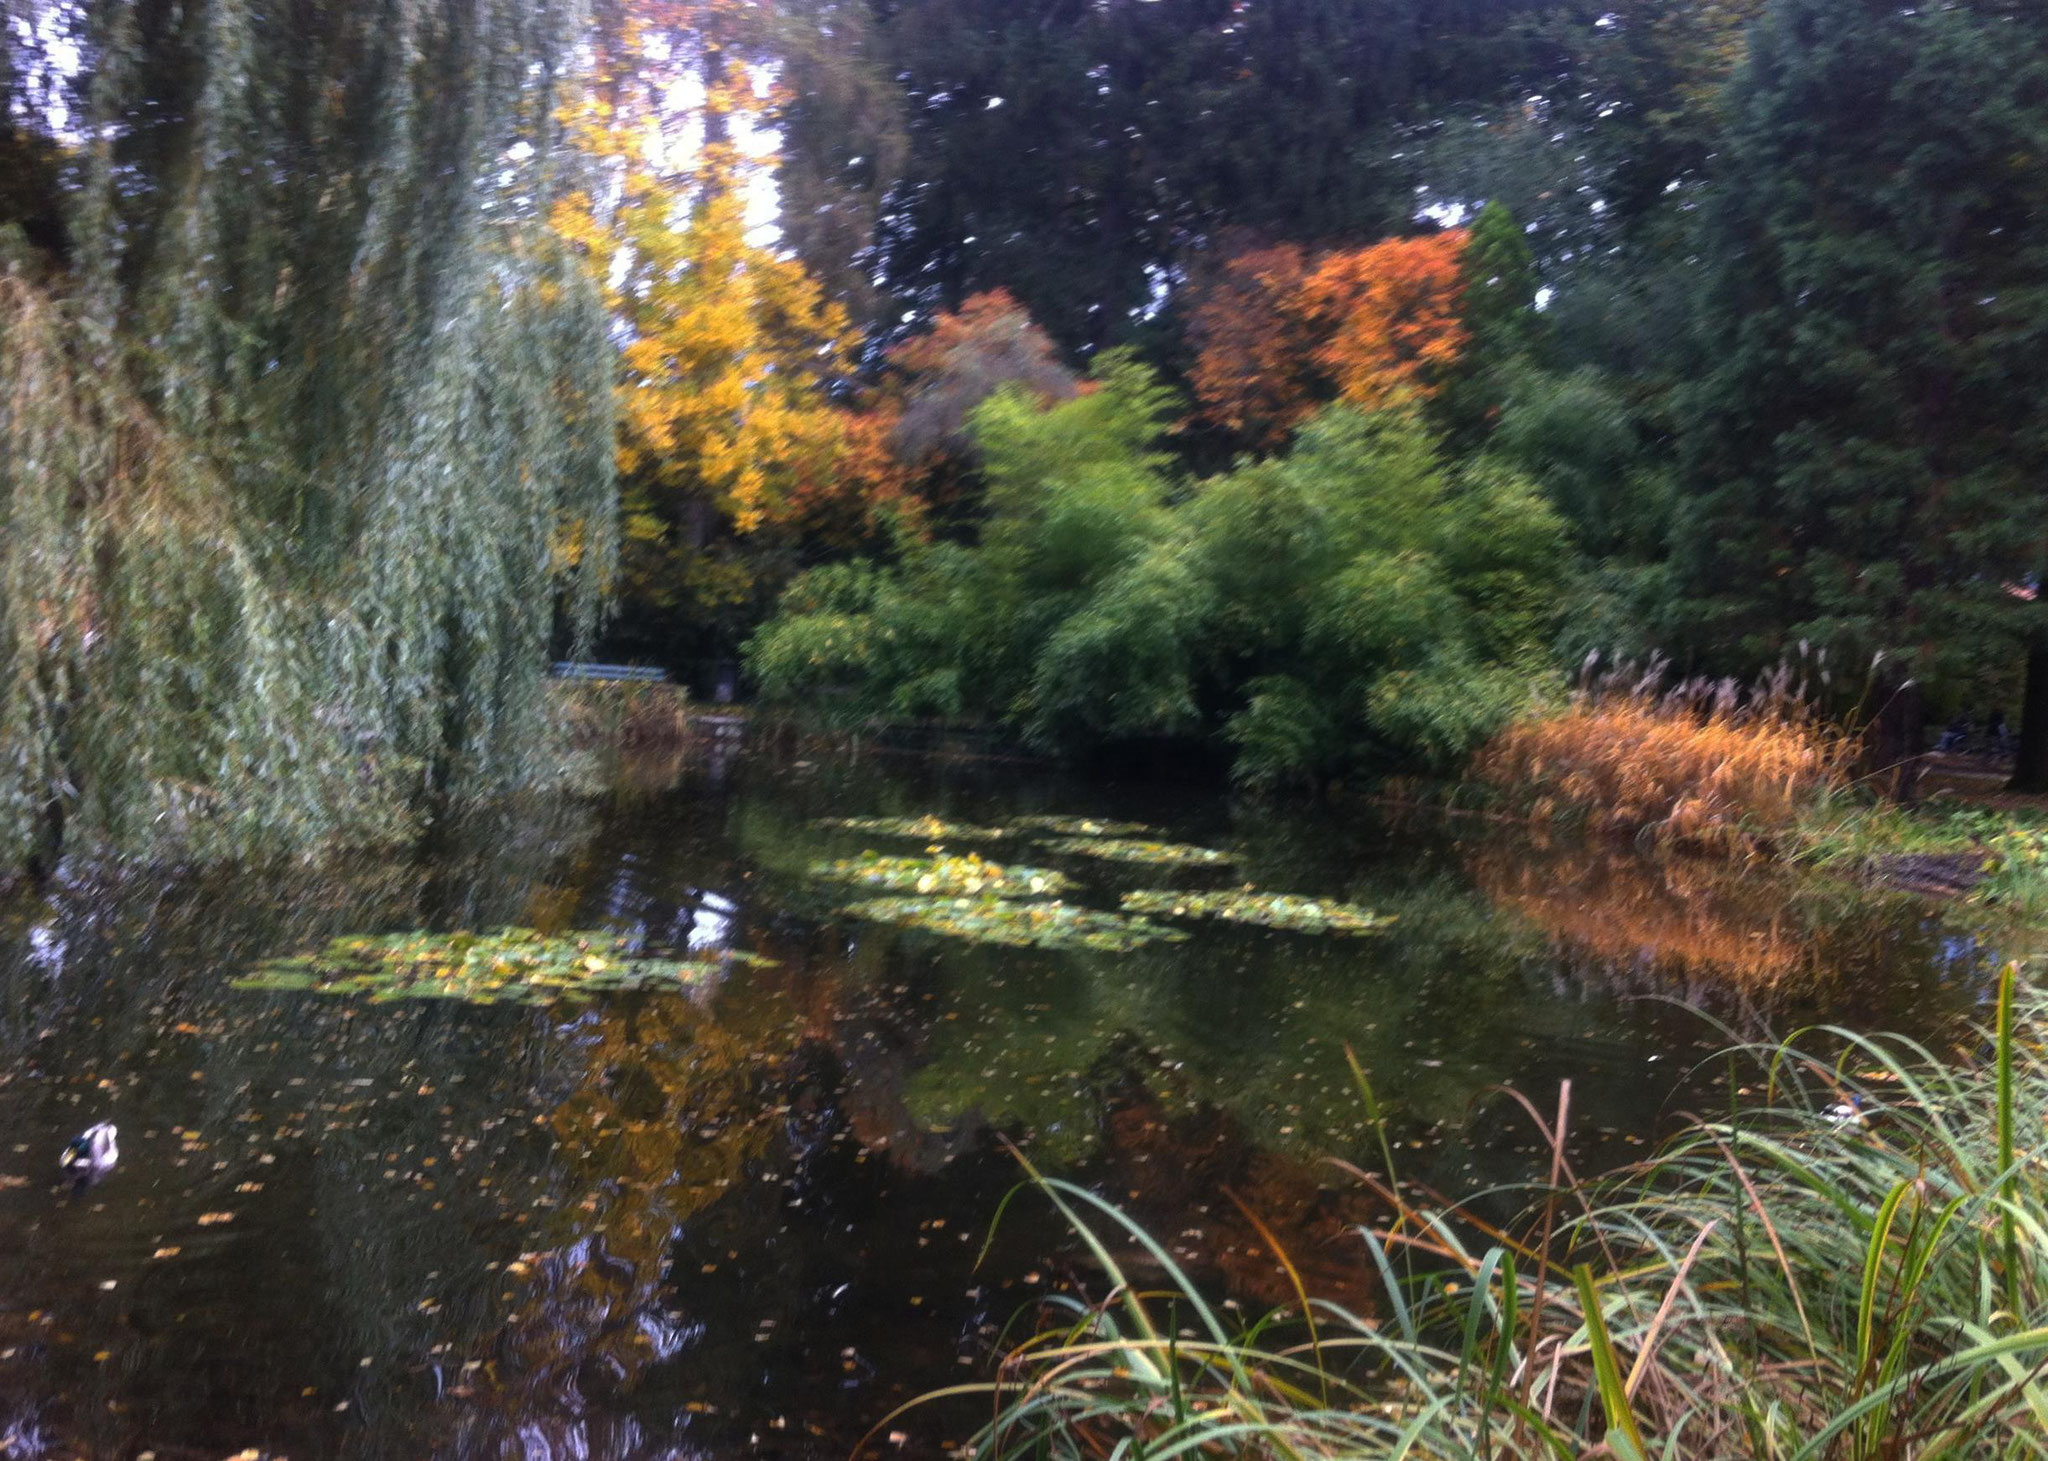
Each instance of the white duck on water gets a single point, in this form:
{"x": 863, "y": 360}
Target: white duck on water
{"x": 91, "y": 1154}
{"x": 1852, "y": 1113}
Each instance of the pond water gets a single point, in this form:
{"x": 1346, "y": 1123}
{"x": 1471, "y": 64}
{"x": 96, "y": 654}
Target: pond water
{"x": 751, "y": 1217}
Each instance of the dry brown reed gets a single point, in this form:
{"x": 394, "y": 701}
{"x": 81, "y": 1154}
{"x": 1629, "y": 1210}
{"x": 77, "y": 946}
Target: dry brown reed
{"x": 1709, "y": 764}
{"x": 603, "y": 713}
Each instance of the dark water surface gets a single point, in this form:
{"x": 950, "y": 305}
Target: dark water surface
{"x": 662, "y": 1226}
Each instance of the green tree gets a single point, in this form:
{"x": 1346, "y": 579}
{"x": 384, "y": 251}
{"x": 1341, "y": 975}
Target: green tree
{"x": 1500, "y": 285}
{"x": 1865, "y": 461}
{"x": 1362, "y": 602}
{"x": 306, "y": 436}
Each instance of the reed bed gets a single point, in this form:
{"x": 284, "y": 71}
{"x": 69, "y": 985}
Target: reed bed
{"x": 1781, "y": 1283}
{"x": 609, "y": 713}
{"x": 1696, "y": 763}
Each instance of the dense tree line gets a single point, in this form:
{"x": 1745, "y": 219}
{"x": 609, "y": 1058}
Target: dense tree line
{"x": 1784, "y": 385}
{"x": 1305, "y": 377}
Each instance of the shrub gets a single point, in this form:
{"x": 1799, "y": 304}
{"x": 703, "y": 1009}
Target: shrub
{"x": 1791, "y": 1282}
{"x": 1700, "y": 763}
{"x": 1360, "y": 602}
{"x": 597, "y": 713}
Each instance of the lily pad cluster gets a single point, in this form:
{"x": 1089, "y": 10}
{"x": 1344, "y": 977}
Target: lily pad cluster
{"x": 1288, "y": 911}
{"x": 1080, "y": 827}
{"x": 970, "y": 876}
{"x": 920, "y": 829}
{"x": 1019, "y": 924}
{"x": 511, "y": 966}
{"x": 1157, "y": 854}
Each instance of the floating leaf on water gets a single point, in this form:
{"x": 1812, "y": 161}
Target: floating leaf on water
{"x": 1272, "y": 910}
{"x": 512, "y": 966}
{"x": 1080, "y": 827}
{"x": 1124, "y": 849}
{"x": 950, "y": 876}
{"x": 1020, "y": 925}
{"x": 920, "y": 829}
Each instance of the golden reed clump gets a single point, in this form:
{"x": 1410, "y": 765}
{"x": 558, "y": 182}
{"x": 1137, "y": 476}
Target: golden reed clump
{"x": 1706, "y": 764}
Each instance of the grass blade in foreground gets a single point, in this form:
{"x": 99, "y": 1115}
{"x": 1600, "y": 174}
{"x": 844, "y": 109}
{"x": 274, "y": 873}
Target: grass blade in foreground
{"x": 1778, "y": 1284}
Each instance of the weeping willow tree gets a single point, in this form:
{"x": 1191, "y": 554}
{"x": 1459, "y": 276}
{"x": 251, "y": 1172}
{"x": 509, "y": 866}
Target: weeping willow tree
{"x": 305, "y": 434}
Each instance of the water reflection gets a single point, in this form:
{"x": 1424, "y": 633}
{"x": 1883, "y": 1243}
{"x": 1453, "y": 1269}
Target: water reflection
{"x": 658, "y": 1226}
{"x": 1749, "y": 943}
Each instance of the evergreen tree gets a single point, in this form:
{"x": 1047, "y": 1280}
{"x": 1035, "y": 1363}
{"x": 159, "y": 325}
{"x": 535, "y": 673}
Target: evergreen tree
{"x": 1500, "y": 286}
{"x": 1866, "y": 452}
{"x": 1077, "y": 153}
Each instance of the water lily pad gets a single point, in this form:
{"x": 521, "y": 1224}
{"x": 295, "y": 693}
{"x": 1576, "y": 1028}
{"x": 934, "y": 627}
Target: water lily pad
{"x": 920, "y": 829}
{"x": 1124, "y": 849}
{"x": 1271, "y": 910}
{"x": 512, "y": 966}
{"x": 1081, "y": 827}
{"x": 970, "y": 876}
{"x": 1020, "y": 925}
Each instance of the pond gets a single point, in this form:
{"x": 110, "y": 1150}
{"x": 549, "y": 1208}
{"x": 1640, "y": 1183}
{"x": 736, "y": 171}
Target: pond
{"x": 738, "y": 1199}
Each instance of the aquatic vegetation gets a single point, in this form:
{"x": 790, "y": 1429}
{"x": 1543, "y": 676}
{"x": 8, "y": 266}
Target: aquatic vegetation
{"x": 1019, "y": 925}
{"x": 512, "y": 966}
{"x": 921, "y": 829}
{"x": 1158, "y": 854}
{"x": 1081, "y": 827}
{"x": 1776, "y": 1283}
{"x": 1290, "y": 911}
{"x": 952, "y": 876}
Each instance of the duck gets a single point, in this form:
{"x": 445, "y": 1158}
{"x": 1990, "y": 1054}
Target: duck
{"x": 1851, "y": 1113}
{"x": 91, "y": 1154}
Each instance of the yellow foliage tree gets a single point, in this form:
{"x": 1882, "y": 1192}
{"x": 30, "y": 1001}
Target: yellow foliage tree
{"x": 729, "y": 348}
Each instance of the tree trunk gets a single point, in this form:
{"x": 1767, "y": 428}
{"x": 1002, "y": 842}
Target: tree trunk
{"x": 1892, "y": 747}
{"x": 2030, "y": 770}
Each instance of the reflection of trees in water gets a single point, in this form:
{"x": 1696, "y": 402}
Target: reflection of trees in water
{"x": 1719, "y": 933}
{"x": 667, "y": 1105}
{"x": 283, "y": 1115}
{"x": 1251, "y": 1022}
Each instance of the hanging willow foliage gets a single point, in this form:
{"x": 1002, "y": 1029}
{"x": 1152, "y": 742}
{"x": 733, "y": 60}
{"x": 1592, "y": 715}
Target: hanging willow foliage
{"x": 307, "y": 454}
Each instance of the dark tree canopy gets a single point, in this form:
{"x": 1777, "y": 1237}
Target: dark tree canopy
{"x": 1074, "y": 153}
{"x": 1864, "y": 453}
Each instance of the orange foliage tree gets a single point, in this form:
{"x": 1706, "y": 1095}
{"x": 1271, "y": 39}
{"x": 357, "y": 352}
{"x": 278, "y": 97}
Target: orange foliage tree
{"x": 1390, "y": 317}
{"x": 1255, "y": 372}
{"x": 1279, "y": 334}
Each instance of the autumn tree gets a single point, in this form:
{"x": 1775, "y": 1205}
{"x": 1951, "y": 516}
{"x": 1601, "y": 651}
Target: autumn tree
{"x": 729, "y": 435}
{"x": 1279, "y": 335}
{"x": 1389, "y": 317}
{"x": 970, "y": 354}
{"x": 1254, "y": 369}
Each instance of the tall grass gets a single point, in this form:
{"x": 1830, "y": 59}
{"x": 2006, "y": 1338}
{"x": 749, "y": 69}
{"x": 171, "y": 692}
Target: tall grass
{"x": 1701, "y": 763}
{"x": 610, "y": 713}
{"x": 1777, "y": 1284}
